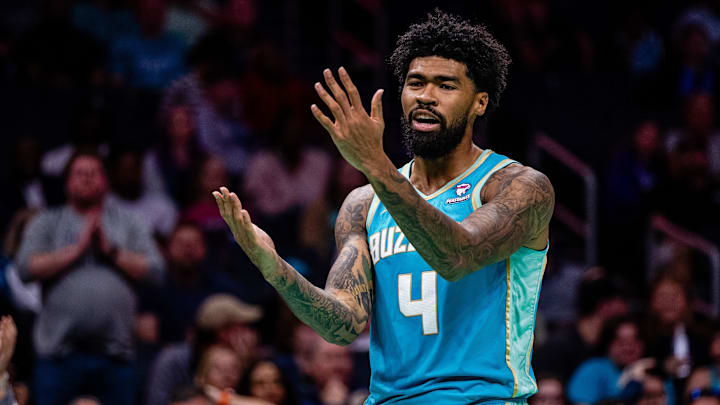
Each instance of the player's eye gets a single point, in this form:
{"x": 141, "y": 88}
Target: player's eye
{"x": 414, "y": 83}
{"x": 447, "y": 87}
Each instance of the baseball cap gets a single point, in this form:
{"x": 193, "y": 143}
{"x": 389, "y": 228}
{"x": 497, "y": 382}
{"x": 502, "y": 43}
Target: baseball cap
{"x": 220, "y": 310}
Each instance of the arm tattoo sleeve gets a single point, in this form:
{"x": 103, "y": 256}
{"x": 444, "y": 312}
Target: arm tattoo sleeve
{"x": 341, "y": 311}
{"x": 517, "y": 214}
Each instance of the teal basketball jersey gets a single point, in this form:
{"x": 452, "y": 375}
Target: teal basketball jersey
{"x": 440, "y": 342}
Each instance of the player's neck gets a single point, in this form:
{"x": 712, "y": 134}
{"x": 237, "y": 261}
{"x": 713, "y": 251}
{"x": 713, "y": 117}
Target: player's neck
{"x": 428, "y": 175}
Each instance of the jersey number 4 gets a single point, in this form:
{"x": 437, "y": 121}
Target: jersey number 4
{"x": 426, "y": 306}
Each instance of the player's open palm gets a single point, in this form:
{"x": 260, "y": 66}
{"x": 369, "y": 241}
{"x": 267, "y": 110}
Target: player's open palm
{"x": 357, "y": 135}
{"x": 253, "y": 240}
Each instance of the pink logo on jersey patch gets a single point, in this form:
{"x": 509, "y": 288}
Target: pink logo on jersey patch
{"x": 461, "y": 189}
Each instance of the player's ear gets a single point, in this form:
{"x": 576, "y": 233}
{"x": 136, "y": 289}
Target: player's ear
{"x": 480, "y": 103}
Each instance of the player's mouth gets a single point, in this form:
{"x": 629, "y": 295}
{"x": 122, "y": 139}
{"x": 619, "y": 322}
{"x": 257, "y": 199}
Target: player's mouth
{"x": 425, "y": 121}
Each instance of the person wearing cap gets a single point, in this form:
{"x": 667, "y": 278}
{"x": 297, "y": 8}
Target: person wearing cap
{"x": 222, "y": 320}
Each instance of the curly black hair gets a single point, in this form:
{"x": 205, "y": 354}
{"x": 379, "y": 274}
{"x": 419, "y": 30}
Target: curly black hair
{"x": 450, "y": 37}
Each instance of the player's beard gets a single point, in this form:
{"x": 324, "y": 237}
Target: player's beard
{"x": 433, "y": 144}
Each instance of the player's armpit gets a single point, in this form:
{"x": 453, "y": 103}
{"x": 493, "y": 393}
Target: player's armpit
{"x": 520, "y": 203}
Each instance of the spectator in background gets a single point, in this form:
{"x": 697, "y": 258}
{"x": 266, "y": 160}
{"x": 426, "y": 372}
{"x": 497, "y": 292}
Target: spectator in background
{"x": 529, "y": 33}
{"x": 221, "y": 255}
{"x": 702, "y": 13}
{"x": 690, "y": 199}
{"x": 673, "y": 336}
{"x": 202, "y": 209}
{"x": 125, "y": 167}
{"x": 295, "y": 344}
{"x": 189, "y": 282}
{"x": 268, "y": 74}
{"x": 699, "y": 130}
{"x": 636, "y": 171}
{"x": 284, "y": 179}
{"x": 328, "y": 374}
{"x": 641, "y": 45}
{"x": 219, "y": 375}
{"x": 695, "y": 72}
{"x": 88, "y": 254}
{"x": 637, "y": 175}
{"x": 149, "y": 59}
{"x": 213, "y": 97}
{"x": 318, "y": 220}
{"x": 218, "y": 370}
{"x": 603, "y": 377}
{"x": 708, "y": 376}
{"x": 598, "y": 300}
{"x": 175, "y": 159}
{"x": 550, "y": 391}
{"x": 264, "y": 380}
{"x": 222, "y": 320}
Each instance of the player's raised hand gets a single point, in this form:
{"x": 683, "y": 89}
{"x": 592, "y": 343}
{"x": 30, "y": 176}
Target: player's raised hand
{"x": 357, "y": 135}
{"x": 253, "y": 240}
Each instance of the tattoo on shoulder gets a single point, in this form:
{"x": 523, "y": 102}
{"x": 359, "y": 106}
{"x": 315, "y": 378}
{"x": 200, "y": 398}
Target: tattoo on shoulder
{"x": 521, "y": 200}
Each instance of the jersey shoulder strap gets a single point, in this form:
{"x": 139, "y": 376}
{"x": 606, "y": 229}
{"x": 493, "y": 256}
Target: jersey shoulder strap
{"x": 495, "y": 162}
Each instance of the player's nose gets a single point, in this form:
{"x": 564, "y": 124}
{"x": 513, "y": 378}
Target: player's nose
{"x": 426, "y": 96}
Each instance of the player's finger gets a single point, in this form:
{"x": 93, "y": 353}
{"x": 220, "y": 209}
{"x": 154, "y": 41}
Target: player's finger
{"x": 220, "y": 203}
{"x": 226, "y": 202}
{"x": 352, "y": 91}
{"x": 249, "y": 228}
{"x": 376, "y": 109}
{"x": 236, "y": 206}
{"x": 337, "y": 91}
{"x": 322, "y": 119}
{"x": 334, "y": 107}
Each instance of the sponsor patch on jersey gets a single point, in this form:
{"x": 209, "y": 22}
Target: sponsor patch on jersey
{"x": 457, "y": 199}
{"x": 462, "y": 188}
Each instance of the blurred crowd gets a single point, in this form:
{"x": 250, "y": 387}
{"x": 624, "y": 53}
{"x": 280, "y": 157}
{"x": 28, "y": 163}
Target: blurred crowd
{"x": 118, "y": 119}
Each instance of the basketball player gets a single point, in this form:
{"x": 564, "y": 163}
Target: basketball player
{"x": 446, "y": 255}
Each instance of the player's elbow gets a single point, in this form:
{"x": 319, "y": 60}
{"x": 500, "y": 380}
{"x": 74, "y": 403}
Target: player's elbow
{"x": 344, "y": 340}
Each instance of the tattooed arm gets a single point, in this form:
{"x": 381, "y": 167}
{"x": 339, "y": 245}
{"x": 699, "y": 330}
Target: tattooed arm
{"x": 516, "y": 215}
{"x": 340, "y": 312}
{"x": 518, "y": 205}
